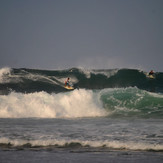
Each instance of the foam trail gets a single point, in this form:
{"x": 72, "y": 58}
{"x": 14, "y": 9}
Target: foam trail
{"x": 78, "y": 103}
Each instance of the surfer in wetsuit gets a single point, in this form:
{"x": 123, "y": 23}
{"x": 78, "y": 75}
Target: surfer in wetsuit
{"x": 67, "y": 82}
{"x": 151, "y": 72}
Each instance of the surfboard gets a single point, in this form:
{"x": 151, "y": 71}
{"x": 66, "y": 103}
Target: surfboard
{"x": 151, "y": 76}
{"x": 68, "y": 87}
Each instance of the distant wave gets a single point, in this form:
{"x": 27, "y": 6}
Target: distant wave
{"x": 32, "y": 80}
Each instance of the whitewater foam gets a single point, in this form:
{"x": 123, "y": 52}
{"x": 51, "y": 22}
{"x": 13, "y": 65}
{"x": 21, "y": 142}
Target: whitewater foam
{"x": 107, "y": 73}
{"x": 78, "y": 103}
{"x": 119, "y": 145}
{"x": 4, "y": 71}
{"x": 82, "y": 103}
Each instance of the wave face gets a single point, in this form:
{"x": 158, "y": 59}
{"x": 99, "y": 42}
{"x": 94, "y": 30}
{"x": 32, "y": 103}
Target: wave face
{"x": 131, "y": 102}
{"x": 31, "y": 80}
{"x": 117, "y": 102}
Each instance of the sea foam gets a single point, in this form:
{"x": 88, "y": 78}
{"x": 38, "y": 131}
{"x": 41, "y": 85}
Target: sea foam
{"x": 118, "y": 145}
{"x": 4, "y": 71}
{"x": 78, "y": 103}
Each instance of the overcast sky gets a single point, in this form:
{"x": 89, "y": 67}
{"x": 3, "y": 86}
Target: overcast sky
{"x": 100, "y": 34}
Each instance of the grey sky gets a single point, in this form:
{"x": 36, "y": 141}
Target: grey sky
{"x": 53, "y": 34}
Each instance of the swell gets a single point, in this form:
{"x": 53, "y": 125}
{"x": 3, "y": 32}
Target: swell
{"x": 31, "y": 80}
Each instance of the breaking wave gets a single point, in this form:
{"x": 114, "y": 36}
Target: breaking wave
{"x": 120, "y": 102}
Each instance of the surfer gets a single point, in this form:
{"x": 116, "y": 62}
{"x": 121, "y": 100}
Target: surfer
{"x": 151, "y": 72}
{"x": 67, "y": 82}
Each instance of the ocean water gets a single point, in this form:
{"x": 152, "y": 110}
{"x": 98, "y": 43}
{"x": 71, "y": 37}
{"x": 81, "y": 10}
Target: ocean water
{"x": 110, "y": 116}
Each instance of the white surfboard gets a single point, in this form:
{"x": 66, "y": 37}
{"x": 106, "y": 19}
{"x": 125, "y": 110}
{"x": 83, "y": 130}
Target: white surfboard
{"x": 151, "y": 76}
